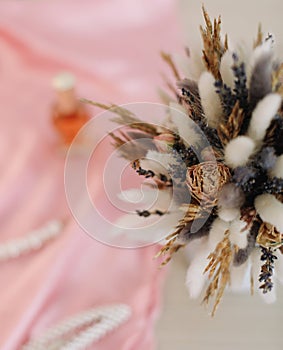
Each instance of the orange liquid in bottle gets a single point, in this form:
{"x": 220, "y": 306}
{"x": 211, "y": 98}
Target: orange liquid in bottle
{"x": 68, "y": 115}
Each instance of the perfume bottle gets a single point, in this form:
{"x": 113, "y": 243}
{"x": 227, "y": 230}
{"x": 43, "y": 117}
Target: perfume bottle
{"x": 68, "y": 113}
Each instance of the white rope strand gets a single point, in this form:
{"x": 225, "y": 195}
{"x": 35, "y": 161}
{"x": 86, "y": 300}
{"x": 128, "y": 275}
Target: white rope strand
{"x": 33, "y": 241}
{"x": 97, "y": 323}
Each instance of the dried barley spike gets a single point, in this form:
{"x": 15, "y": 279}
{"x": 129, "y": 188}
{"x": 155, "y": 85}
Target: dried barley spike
{"x": 125, "y": 117}
{"x": 118, "y": 141}
{"x": 231, "y": 129}
{"x": 169, "y": 249}
{"x": 212, "y": 46}
{"x": 168, "y": 59}
{"x": 193, "y": 212}
{"x": 219, "y": 270}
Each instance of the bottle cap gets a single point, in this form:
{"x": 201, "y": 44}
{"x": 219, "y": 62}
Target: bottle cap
{"x": 64, "y": 81}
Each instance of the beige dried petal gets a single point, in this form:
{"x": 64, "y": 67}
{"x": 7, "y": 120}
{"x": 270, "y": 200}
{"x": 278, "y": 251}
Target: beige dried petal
{"x": 268, "y": 236}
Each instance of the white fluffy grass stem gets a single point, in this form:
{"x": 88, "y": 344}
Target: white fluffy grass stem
{"x": 226, "y": 71}
{"x": 238, "y": 151}
{"x": 270, "y": 210}
{"x": 262, "y": 116}
{"x": 210, "y": 100}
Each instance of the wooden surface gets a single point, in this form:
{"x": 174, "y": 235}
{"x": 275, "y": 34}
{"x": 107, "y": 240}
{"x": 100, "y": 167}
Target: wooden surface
{"x": 242, "y": 321}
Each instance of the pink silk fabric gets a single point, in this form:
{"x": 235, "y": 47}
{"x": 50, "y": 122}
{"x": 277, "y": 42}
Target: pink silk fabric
{"x": 113, "y": 49}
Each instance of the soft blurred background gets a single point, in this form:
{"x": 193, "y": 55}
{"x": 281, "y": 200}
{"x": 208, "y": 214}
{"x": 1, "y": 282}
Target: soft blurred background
{"x": 112, "y": 48}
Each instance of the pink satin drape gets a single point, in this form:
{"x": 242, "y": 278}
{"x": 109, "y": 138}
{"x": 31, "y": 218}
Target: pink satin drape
{"x": 113, "y": 49}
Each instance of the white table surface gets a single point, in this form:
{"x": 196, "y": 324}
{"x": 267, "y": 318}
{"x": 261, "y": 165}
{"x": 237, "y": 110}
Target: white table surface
{"x": 242, "y": 322}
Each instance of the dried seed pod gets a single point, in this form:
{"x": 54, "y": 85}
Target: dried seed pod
{"x": 205, "y": 180}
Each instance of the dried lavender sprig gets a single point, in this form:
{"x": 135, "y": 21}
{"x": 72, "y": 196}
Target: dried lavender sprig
{"x": 184, "y": 154}
{"x": 184, "y": 157}
{"x": 240, "y": 90}
{"x": 147, "y": 173}
{"x": 228, "y": 99}
{"x": 147, "y": 213}
{"x": 267, "y": 269}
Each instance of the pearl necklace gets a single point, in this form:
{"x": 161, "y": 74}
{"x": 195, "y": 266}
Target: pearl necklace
{"x": 82, "y": 330}
{"x": 33, "y": 241}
